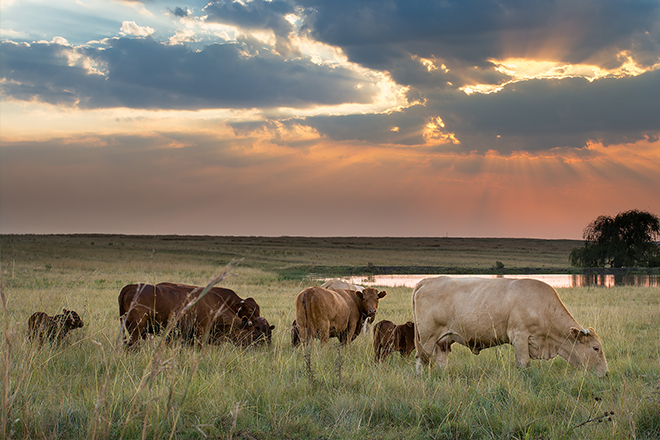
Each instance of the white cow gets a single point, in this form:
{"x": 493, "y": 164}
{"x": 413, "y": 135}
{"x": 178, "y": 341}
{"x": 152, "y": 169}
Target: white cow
{"x": 481, "y": 313}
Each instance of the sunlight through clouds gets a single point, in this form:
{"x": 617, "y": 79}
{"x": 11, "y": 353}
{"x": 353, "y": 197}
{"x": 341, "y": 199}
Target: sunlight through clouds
{"x": 452, "y": 117}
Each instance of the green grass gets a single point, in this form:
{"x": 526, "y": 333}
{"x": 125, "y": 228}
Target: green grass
{"x": 91, "y": 388}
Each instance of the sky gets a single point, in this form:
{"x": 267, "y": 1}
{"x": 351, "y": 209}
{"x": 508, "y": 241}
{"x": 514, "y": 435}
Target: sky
{"x": 480, "y": 118}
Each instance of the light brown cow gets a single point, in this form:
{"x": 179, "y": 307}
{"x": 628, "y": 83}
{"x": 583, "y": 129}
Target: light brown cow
{"x": 324, "y": 313}
{"x": 337, "y": 284}
{"x": 390, "y": 337}
{"x": 481, "y": 313}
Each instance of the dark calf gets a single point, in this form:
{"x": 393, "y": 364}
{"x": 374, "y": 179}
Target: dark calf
{"x": 53, "y": 328}
{"x": 295, "y": 334}
{"x": 390, "y": 337}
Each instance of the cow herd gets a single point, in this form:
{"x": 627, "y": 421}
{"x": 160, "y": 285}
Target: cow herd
{"x": 475, "y": 312}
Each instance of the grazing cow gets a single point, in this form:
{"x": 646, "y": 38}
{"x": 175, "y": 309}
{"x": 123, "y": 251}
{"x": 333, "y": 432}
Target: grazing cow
{"x": 147, "y": 308}
{"x": 324, "y": 313}
{"x": 264, "y": 331}
{"x": 53, "y": 328}
{"x": 242, "y": 307}
{"x": 481, "y": 313}
{"x": 390, "y": 337}
{"x": 337, "y": 284}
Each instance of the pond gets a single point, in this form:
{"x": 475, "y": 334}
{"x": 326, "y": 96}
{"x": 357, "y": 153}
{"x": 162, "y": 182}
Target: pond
{"x": 558, "y": 281}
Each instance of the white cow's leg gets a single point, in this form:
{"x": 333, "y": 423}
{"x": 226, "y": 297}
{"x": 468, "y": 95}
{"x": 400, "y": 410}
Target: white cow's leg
{"x": 520, "y": 344}
{"x": 441, "y": 353}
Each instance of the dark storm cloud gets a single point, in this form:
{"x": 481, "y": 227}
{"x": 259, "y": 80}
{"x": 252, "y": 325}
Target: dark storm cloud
{"x": 527, "y": 116}
{"x": 396, "y": 36}
{"x": 257, "y": 14}
{"x": 376, "y": 33}
{"x": 143, "y": 73}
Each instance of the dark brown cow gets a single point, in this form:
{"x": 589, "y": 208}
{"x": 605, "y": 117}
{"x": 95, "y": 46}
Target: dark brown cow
{"x": 53, "y": 328}
{"x": 295, "y": 334}
{"x": 242, "y": 307}
{"x": 145, "y": 308}
{"x": 390, "y": 337}
{"x": 323, "y": 313}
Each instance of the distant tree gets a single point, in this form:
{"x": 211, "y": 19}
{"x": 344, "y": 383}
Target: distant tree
{"x": 628, "y": 240}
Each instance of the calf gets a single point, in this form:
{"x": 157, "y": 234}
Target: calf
{"x": 295, "y": 334}
{"x": 53, "y": 328}
{"x": 390, "y": 337}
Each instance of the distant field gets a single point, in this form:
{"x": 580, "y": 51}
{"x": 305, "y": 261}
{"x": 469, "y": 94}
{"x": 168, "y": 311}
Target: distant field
{"x": 293, "y": 257}
{"x": 91, "y": 388}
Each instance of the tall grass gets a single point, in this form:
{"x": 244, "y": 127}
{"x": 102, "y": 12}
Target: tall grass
{"x": 90, "y": 387}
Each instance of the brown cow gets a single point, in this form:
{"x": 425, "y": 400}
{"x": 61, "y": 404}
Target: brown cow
{"x": 145, "y": 308}
{"x": 53, "y": 328}
{"x": 323, "y": 313}
{"x": 390, "y": 337}
{"x": 242, "y": 307}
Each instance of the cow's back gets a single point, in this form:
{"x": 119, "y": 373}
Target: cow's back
{"x": 462, "y": 302}
{"x": 335, "y": 284}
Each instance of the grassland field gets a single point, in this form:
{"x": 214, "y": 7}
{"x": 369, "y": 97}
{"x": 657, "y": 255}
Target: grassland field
{"x": 90, "y": 387}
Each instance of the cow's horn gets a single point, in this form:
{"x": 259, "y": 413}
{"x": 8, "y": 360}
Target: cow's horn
{"x": 584, "y": 331}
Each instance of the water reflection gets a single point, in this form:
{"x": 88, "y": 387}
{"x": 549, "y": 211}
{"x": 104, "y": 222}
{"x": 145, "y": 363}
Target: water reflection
{"x": 558, "y": 281}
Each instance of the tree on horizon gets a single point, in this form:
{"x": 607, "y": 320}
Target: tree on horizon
{"x": 628, "y": 240}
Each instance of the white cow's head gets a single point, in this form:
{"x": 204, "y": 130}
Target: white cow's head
{"x": 587, "y": 351}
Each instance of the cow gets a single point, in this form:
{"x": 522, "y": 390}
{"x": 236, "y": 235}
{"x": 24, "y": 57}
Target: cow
{"x": 242, "y": 307}
{"x": 480, "y": 313}
{"x": 390, "y": 337}
{"x": 53, "y": 328}
{"x": 324, "y": 313}
{"x": 335, "y": 284}
{"x": 264, "y": 331}
{"x": 295, "y": 334}
{"x": 148, "y": 308}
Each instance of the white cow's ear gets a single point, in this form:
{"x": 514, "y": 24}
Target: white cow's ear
{"x": 575, "y": 333}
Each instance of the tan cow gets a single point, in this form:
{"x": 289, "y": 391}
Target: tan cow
{"x": 390, "y": 337}
{"x": 481, "y": 313}
{"x": 324, "y": 313}
{"x": 337, "y": 284}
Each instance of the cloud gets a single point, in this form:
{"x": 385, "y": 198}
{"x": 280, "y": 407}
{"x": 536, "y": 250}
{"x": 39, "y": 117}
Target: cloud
{"x": 528, "y": 116}
{"x": 256, "y": 14}
{"x": 377, "y": 35}
{"x": 181, "y": 12}
{"x": 143, "y": 73}
{"x": 131, "y": 28}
